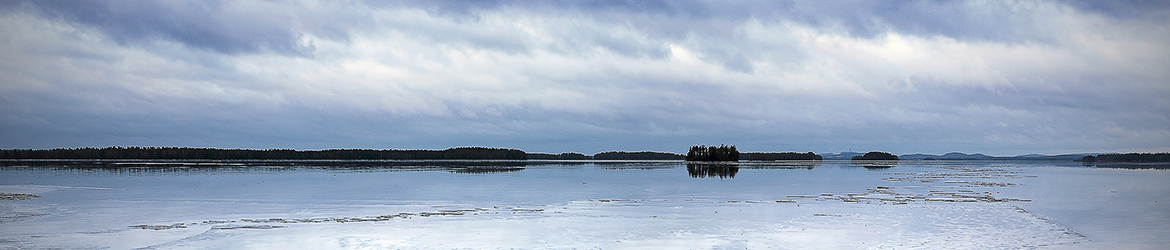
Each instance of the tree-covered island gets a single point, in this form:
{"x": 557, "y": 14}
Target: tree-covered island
{"x": 876, "y": 155}
{"x": 713, "y": 153}
{"x": 1130, "y": 157}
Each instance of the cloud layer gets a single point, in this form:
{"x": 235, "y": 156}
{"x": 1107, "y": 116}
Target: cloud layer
{"x": 995, "y": 77}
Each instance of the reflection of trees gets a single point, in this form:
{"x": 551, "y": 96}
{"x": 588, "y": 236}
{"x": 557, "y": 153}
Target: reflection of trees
{"x": 636, "y": 165}
{"x": 1128, "y": 165}
{"x": 712, "y": 170}
{"x": 485, "y": 170}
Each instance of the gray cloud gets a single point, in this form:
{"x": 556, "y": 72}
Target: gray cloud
{"x": 212, "y": 25}
{"x": 966, "y": 20}
{"x": 1122, "y": 9}
{"x": 918, "y": 76}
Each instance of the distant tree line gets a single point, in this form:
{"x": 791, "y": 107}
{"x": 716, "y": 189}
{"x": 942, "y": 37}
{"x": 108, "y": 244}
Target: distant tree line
{"x": 713, "y": 153}
{"x": 1130, "y": 157}
{"x": 785, "y": 156}
{"x": 697, "y": 153}
{"x": 462, "y": 153}
{"x": 876, "y": 155}
{"x": 561, "y": 156}
{"x": 641, "y": 155}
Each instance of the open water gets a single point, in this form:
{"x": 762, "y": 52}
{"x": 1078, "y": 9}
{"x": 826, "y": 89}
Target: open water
{"x": 582, "y": 205}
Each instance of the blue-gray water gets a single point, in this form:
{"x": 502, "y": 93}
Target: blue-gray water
{"x": 427, "y": 205}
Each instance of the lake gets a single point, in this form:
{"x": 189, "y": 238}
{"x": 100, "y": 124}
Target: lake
{"x": 586, "y": 204}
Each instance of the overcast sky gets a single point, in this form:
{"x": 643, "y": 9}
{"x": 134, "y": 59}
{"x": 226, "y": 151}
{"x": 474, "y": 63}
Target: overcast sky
{"x": 993, "y": 77}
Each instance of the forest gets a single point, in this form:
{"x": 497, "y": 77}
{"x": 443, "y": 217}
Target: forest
{"x": 561, "y": 156}
{"x": 713, "y": 153}
{"x": 461, "y": 153}
{"x": 1130, "y": 157}
{"x": 876, "y": 155}
{"x": 696, "y": 153}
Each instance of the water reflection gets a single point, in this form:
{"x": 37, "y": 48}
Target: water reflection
{"x": 485, "y": 170}
{"x": 799, "y": 164}
{"x": 712, "y": 170}
{"x": 1128, "y": 165}
{"x": 874, "y": 164}
{"x": 216, "y": 167}
{"x": 636, "y": 165}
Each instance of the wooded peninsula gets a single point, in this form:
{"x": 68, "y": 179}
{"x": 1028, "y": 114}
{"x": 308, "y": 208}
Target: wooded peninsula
{"x": 1130, "y": 157}
{"x": 185, "y": 153}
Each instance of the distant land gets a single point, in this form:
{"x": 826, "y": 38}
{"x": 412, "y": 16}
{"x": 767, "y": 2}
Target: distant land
{"x": 486, "y": 153}
{"x": 1130, "y": 158}
{"x": 875, "y": 155}
{"x": 463, "y": 153}
{"x": 185, "y": 153}
{"x": 962, "y": 156}
{"x": 784, "y": 156}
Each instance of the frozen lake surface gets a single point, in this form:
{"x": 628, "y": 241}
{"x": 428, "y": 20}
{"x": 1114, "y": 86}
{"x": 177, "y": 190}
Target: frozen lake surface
{"x": 562, "y": 205}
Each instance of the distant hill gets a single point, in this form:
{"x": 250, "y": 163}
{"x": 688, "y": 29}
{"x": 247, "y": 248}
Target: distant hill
{"x": 1061, "y": 157}
{"x": 947, "y": 156}
{"x": 758, "y": 156}
{"x": 978, "y": 156}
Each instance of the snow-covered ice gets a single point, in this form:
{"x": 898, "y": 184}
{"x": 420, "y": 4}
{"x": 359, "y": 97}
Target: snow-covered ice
{"x": 561, "y": 205}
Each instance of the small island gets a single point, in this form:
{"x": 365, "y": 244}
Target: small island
{"x": 713, "y": 153}
{"x": 876, "y": 155}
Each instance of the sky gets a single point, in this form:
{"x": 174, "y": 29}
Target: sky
{"x": 992, "y": 77}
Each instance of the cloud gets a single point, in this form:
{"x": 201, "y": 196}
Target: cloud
{"x": 228, "y": 27}
{"x": 920, "y": 76}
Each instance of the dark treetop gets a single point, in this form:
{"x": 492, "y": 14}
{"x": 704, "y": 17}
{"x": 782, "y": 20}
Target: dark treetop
{"x": 1130, "y": 157}
{"x": 561, "y": 156}
{"x": 713, "y": 153}
{"x": 875, "y": 155}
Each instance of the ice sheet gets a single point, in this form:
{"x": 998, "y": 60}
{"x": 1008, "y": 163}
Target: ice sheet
{"x": 951, "y": 205}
